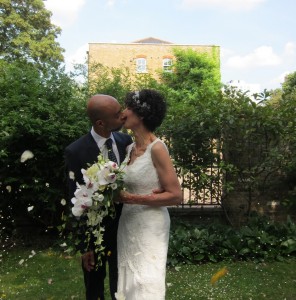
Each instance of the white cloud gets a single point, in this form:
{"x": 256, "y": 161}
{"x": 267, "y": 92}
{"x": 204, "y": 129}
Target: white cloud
{"x": 262, "y": 56}
{"x": 110, "y": 3}
{"x": 225, "y": 4}
{"x": 244, "y": 86}
{"x": 78, "y": 57}
{"x": 290, "y": 49}
{"x": 64, "y": 12}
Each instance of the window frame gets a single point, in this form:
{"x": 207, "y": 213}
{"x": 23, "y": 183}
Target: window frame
{"x": 141, "y": 65}
{"x": 167, "y": 67}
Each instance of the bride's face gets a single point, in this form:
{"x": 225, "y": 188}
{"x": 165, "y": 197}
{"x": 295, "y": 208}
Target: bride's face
{"x": 131, "y": 120}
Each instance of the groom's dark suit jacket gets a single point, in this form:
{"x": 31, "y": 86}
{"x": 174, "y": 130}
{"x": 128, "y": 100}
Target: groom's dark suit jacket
{"x": 84, "y": 152}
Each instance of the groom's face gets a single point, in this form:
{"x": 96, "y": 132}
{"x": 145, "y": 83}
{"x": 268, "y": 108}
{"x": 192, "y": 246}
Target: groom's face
{"x": 113, "y": 120}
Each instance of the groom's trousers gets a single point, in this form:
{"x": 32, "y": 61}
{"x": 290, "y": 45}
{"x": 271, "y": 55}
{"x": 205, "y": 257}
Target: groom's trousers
{"x": 94, "y": 280}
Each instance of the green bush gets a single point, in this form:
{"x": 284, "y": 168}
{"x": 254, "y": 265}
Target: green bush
{"x": 260, "y": 240}
{"x": 42, "y": 113}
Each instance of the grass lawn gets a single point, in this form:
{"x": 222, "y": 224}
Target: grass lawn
{"x": 28, "y": 274}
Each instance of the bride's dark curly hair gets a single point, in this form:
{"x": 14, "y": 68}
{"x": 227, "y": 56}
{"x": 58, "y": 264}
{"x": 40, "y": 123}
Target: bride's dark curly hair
{"x": 149, "y": 105}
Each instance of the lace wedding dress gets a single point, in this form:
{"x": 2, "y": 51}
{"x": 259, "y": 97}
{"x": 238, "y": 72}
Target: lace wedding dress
{"x": 143, "y": 236}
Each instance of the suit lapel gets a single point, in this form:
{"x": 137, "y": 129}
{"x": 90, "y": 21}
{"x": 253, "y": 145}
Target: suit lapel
{"x": 92, "y": 148}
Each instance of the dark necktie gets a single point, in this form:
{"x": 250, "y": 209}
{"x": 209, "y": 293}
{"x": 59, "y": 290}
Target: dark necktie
{"x": 111, "y": 154}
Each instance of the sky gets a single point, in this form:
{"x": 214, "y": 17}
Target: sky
{"x": 257, "y": 38}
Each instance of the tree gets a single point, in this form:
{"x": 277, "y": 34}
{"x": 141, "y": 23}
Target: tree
{"x": 286, "y": 112}
{"x": 289, "y": 85}
{"x": 192, "y": 123}
{"x": 26, "y": 33}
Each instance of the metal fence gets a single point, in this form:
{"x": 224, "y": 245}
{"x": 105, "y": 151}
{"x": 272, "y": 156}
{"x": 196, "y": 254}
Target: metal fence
{"x": 208, "y": 195}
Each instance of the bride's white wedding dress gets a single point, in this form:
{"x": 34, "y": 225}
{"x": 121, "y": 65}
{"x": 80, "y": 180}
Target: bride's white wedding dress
{"x": 143, "y": 236}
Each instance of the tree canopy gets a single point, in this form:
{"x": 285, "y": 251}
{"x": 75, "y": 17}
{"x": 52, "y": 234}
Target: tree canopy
{"x": 26, "y": 33}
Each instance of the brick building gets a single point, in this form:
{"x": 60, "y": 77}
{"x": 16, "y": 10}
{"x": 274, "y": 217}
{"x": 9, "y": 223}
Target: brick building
{"x": 149, "y": 55}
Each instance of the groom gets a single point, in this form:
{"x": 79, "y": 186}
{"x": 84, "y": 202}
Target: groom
{"x": 105, "y": 115}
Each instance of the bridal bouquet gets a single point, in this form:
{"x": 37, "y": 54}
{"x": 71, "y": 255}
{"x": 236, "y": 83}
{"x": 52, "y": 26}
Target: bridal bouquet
{"x": 94, "y": 200}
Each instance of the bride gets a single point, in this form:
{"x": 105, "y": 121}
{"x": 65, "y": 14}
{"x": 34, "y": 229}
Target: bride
{"x": 144, "y": 225}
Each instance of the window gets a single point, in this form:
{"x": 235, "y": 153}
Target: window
{"x": 167, "y": 64}
{"x": 141, "y": 65}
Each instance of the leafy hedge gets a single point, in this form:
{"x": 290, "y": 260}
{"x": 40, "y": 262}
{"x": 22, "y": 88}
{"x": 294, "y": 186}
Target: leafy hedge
{"x": 43, "y": 113}
{"x": 260, "y": 240}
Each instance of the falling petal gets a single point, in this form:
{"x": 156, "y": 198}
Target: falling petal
{"x": 8, "y": 187}
{"x": 221, "y": 273}
{"x": 26, "y": 155}
{"x": 30, "y": 208}
{"x": 49, "y": 281}
{"x": 71, "y": 175}
{"x": 63, "y": 202}
{"x": 21, "y": 261}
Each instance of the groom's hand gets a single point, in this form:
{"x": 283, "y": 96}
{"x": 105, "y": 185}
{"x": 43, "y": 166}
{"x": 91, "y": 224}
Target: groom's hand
{"x": 88, "y": 261}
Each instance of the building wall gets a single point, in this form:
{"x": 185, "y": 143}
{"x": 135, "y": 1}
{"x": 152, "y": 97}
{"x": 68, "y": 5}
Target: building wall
{"x": 125, "y": 55}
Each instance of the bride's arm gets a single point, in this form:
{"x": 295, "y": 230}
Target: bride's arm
{"x": 171, "y": 191}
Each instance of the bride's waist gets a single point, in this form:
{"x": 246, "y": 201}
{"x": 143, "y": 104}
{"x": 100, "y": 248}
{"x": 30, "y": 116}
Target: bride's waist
{"x": 144, "y": 208}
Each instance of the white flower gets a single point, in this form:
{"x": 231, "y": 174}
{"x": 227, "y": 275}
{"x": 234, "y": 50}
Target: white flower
{"x": 26, "y": 155}
{"x": 112, "y": 165}
{"x": 80, "y": 205}
{"x": 105, "y": 176}
{"x": 63, "y": 202}
{"x": 113, "y": 186}
{"x": 81, "y": 201}
{"x": 21, "y": 262}
{"x": 77, "y": 211}
{"x": 8, "y": 187}
{"x": 86, "y": 178}
{"x": 83, "y": 193}
{"x": 98, "y": 197}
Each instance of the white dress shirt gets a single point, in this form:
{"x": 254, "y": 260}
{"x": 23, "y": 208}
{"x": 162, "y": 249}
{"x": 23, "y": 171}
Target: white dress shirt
{"x": 101, "y": 144}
